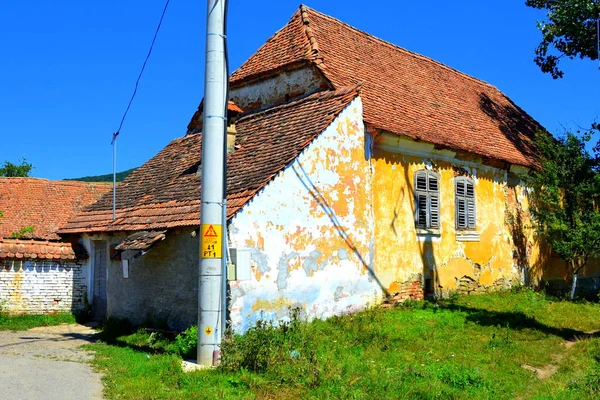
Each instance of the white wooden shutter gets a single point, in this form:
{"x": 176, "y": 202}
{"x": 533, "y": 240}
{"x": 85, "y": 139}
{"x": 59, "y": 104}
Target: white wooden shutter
{"x": 465, "y": 203}
{"x": 427, "y": 213}
{"x": 434, "y": 201}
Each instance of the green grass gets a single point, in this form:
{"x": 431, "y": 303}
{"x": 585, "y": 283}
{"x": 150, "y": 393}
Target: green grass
{"x": 471, "y": 348}
{"x": 24, "y": 322}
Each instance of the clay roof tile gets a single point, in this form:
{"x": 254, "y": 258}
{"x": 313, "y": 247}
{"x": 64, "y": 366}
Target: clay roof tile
{"x": 165, "y": 191}
{"x": 404, "y": 93}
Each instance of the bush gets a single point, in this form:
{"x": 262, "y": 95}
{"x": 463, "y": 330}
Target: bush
{"x": 186, "y": 343}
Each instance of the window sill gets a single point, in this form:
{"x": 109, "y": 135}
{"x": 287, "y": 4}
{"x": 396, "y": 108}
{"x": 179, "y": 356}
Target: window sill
{"x": 467, "y": 236}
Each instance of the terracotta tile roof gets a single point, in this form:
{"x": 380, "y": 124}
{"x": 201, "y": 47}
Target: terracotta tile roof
{"x": 165, "y": 191}
{"x": 141, "y": 240}
{"x": 40, "y": 250}
{"x": 403, "y": 92}
{"x": 43, "y": 204}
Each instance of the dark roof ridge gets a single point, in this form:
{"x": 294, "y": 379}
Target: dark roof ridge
{"x": 56, "y": 181}
{"x": 316, "y": 96}
{"x": 306, "y": 9}
{"x": 312, "y": 40}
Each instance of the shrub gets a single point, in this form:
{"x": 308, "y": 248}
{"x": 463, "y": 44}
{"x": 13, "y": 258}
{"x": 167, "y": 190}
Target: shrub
{"x": 186, "y": 343}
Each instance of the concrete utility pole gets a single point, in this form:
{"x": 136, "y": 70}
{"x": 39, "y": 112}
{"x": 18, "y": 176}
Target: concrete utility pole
{"x": 213, "y": 171}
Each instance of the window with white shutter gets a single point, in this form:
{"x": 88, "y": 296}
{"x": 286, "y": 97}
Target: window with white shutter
{"x": 427, "y": 199}
{"x": 465, "y": 203}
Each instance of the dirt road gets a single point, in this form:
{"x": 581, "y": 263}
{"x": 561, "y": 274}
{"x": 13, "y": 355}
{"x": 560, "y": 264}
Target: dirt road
{"x": 47, "y": 363}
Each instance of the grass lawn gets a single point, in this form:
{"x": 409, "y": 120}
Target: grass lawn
{"x": 474, "y": 347}
{"x": 24, "y": 322}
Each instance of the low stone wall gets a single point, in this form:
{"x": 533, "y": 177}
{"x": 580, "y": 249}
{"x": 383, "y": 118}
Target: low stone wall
{"x": 40, "y": 287}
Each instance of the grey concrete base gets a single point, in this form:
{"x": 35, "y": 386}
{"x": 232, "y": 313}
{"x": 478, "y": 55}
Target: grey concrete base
{"x": 191, "y": 366}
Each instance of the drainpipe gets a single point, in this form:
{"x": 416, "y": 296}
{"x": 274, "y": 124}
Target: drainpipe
{"x": 211, "y": 225}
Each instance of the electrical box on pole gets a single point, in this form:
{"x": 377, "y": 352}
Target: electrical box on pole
{"x": 210, "y": 293}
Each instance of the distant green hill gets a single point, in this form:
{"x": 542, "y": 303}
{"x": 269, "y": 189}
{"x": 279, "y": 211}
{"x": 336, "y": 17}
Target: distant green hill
{"x": 104, "y": 178}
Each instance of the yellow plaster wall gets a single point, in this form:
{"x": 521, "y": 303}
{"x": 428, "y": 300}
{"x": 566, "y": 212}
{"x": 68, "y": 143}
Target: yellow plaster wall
{"x": 402, "y": 254}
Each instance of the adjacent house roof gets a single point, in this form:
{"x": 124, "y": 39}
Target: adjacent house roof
{"x": 43, "y": 205}
{"x": 33, "y": 209}
{"x": 165, "y": 191}
{"x": 40, "y": 250}
{"x": 403, "y": 92}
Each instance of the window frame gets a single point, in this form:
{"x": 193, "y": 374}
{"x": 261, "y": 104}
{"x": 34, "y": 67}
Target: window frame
{"x": 467, "y": 197}
{"x": 431, "y": 194}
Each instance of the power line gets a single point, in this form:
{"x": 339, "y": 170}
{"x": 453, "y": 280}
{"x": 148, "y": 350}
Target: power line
{"x": 137, "y": 82}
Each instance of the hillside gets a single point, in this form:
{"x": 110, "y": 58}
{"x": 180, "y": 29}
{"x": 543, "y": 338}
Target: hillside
{"x": 104, "y": 178}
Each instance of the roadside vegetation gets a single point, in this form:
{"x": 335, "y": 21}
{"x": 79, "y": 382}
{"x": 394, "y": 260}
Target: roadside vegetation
{"x": 24, "y": 322}
{"x": 517, "y": 344}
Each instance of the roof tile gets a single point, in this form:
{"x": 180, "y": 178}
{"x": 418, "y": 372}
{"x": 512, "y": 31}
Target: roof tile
{"x": 403, "y": 92}
{"x": 34, "y": 249}
{"x": 43, "y": 204}
{"x": 165, "y": 191}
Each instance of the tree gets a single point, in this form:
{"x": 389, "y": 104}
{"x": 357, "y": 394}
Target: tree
{"x": 13, "y": 170}
{"x": 570, "y": 28}
{"x": 565, "y": 194}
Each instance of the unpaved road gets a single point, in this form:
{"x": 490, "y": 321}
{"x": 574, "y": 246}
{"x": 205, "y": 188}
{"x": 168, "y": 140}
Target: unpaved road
{"x": 47, "y": 364}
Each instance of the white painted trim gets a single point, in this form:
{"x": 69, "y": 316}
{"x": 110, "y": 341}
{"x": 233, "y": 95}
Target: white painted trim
{"x": 428, "y": 150}
{"x": 439, "y": 157}
{"x": 467, "y": 236}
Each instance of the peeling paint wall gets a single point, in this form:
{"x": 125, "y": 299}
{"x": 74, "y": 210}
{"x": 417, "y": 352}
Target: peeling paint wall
{"x": 40, "y": 287}
{"x": 310, "y": 232}
{"x": 446, "y": 258}
{"x": 278, "y": 88}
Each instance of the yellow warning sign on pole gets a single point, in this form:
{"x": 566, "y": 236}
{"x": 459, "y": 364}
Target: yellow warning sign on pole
{"x": 212, "y": 239}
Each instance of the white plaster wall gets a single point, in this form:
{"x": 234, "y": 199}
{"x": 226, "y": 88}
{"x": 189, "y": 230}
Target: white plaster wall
{"x": 299, "y": 257}
{"x": 37, "y": 287}
{"x": 273, "y": 90}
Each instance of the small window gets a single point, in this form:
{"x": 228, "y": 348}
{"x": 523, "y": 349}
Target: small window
{"x": 465, "y": 203}
{"x": 427, "y": 199}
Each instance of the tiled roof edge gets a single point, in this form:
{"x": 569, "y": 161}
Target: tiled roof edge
{"x": 389, "y": 44}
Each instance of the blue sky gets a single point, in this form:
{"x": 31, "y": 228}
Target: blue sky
{"x": 68, "y": 68}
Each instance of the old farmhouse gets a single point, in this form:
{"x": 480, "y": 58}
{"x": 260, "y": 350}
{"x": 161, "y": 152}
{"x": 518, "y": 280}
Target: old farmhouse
{"x": 357, "y": 170}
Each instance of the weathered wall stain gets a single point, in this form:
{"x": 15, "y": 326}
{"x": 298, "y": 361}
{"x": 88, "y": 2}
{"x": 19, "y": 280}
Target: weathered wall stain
{"x": 403, "y": 253}
{"x": 277, "y": 89}
{"x": 37, "y": 287}
{"x": 321, "y": 248}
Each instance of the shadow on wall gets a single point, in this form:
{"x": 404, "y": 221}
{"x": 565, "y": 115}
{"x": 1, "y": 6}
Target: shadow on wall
{"x": 342, "y": 232}
{"x": 430, "y": 278}
{"x": 547, "y": 271}
{"x": 523, "y": 238}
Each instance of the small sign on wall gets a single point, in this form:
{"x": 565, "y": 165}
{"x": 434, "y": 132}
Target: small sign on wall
{"x": 211, "y": 242}
{"x": 125, "y": 264}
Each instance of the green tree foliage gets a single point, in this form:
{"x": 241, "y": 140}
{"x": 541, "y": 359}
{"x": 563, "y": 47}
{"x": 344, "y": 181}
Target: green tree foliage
{"x": 11, "y": 170}
{"x": 569, "y": 28}
{"x": 565, "y": 194}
